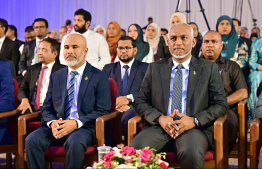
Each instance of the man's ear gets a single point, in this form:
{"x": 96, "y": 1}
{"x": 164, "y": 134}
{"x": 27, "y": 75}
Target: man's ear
{"x": 87, "y": 24}
{"x": 194, "y": 42}
{"x": 86, "y": 50}
{"x": 135, "y": 50}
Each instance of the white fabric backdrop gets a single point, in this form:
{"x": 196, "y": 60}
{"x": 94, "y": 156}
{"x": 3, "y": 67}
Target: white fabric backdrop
{"x": 22, "y": 13}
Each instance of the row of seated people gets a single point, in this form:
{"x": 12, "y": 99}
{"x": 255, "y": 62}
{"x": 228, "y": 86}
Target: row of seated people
{"x": 178, "y": 97}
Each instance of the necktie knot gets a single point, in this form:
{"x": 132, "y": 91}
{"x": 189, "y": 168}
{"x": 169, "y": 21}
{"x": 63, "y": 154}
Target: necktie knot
{"x": 73, "y": 73}
{"x": 44, "y": 68}
{"x": 126, "y": 67}
{"x": 179, "y": 66}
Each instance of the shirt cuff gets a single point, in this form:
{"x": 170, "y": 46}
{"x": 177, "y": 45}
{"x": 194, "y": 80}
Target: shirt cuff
{"x": 49, "y": 123}
{"x": 130, "y": 96}
{"x": 79, "y": 124}
{"x": 24, "y": 72}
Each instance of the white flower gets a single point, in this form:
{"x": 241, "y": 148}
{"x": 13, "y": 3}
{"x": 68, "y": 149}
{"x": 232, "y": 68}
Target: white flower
{"x": 138, "y": 151}
{"x": 122, "y": 166}
{"x": 115, "y": 149}
{"x": 117, "y": 154}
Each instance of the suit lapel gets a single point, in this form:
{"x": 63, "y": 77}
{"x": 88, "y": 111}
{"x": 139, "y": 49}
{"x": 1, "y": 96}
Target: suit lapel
{"x": 118, "y": 79}
{"x": 84, "y": 83}
{"x": 63, "y": 86}
{"x": 165, "y": 73}
{"x": 133, "y": 71}
{"x": 35, "y": 75}
{"x": 193, "y": 76}
{"x": 5, "y": 43}
{"x": 32, "y": 49}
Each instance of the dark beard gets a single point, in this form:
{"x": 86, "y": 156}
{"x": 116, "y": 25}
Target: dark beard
{"x": 81, "y": 29}
{"x": 126, "y": 60}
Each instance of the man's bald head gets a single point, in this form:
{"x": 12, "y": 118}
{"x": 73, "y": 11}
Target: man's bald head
{"x": 75, "y": 50}
{"x": 212, "y": 45}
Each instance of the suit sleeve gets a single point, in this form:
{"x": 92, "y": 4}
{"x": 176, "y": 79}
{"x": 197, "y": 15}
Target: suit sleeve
{"x": 15, "y": 56}
{"x": 24, "y": 89}
{"x": 102, "y": 101}
{"x": 6, "y": 88}
{"x": 22, "y": 63}
{"x": 143, "y": 103}
{"x": 216, "y": 99}
{"x": 258, "y": 109}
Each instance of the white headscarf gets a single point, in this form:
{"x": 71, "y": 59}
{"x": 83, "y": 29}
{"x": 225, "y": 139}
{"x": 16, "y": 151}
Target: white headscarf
{"x": 153, "y": 42}
{"x": 180, "y": 16}
{"x": 99, "y": 26}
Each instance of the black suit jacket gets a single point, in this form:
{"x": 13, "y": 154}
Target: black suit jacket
{"x": 29, "y": 82}
{"x": 10, "y": 51}
{"x": 206, "y": 98}
{"x": 27, "y": 55}
{"x": 137, "y": 73}
{"x": 19, "y": 42}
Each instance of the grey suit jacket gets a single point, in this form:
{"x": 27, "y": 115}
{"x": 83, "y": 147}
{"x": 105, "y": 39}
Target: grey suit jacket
{"x": 258, "y": 109}
{"x": 206, "y": 98}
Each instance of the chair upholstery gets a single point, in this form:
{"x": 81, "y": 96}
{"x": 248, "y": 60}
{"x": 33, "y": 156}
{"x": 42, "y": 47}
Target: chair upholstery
{"x": 57, "y": 153}
{"x": 213, "y": 159}
{"x": 255, "y": 142}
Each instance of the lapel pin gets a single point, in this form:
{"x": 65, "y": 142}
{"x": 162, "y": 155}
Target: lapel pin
{"x": 86, "y": 78}
{"x": 194, "y": 73}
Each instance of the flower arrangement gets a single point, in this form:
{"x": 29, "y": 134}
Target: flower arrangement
{"x": 128, "y": 157}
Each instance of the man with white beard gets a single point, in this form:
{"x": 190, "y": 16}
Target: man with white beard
{"x": 98, "y": 51}
{"x": 179, "y": 100}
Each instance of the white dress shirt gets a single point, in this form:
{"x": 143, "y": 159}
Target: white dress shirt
{"x": 98, "y": 51}
{"x": 1, "y": 42}
{"x": 123, "y": 71}
{"x": 185, "y": 74}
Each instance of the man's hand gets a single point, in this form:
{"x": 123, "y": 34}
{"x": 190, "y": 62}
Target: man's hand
{"x": 25, "y": 105}
{"x": 182, "y": 125}
{"x": 120, "y": 101}
{"x": 166, "y": 122}
{"x": 53, "y": 126}
{"x": 123, "y": 108}
{"x": 66, "y": 127}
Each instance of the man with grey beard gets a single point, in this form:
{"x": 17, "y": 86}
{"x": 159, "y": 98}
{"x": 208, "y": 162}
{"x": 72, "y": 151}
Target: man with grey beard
{"x": 76, "y": 97}
{"x": 179, "y": 100}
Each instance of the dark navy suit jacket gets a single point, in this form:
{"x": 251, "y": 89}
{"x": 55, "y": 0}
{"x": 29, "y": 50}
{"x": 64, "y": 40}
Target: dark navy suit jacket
{"x": 93, "y": 97}
{"x": 137, "y": 73}
{"x": 6, "y": 95}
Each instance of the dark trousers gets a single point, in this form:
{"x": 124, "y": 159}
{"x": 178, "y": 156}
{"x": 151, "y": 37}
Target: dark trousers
{"x": 232, "y": 128}
{"x": 75, "y": 145}
{"x": 190, "y": 146}
{"x": 124, "y": 120}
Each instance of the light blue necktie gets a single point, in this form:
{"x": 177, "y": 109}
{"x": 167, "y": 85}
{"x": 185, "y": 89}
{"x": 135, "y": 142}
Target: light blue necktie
{"x": 70, "y": 94}
{"x": 125, "y": 80}
{"x": 177, "y": 91}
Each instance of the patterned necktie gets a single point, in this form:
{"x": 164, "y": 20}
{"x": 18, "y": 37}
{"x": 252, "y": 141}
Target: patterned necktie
{"x": 125, "y": 80}
{"x": 177, "y": 91}
{"x": 70, "y": 94}
{"x": 36, "y": 54}
{"x": 38, "y": 90}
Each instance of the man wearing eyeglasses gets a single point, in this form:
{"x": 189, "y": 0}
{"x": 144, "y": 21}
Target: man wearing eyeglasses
{"x": 128, "y": 74}
{"x": 29, "y": 54}
{"x": 35, "y": 83}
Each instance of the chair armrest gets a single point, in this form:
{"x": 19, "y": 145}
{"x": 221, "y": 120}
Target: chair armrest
{"x": 132, "y": 123}
{"x": 242, "y": 130}
{"x": 10, "y": 113}
{"x": 221, "y": 142}
{"x": 100, "y": 126}
{"x": 255, "y": 142}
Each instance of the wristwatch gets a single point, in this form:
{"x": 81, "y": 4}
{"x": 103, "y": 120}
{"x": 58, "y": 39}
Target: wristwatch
{"x": 196, "y": 122}
{"x": 129, "y": 98}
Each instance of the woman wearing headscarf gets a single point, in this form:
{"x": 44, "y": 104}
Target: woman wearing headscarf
{"x": 163, "y": 50}
{"x": 100, "y": 29}
{"x": 196, "y": 49}
{"x": 152, "y": 36}
{"x": 232, "y": 49}
{"x": 113, "y": 33}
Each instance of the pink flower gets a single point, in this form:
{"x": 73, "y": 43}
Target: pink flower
{"x": 109, "y": 155}
{"x": 163, "y": 165}
{"x": 128, "y": 151}
{"x": 107, "y": 164}
{"x": 145, "y": 155}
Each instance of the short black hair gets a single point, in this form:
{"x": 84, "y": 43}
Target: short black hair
{"x": 86, "y": 15}
{"x": 256, "y": 28}
{"x": 123, "y": 31}
{"x": 29, "y": 29}
{"x": 55, "y": 46}
{"x": 164, "y": 29}
{"x": 4, "y": 24}
{"x": 13, "y": 28}
{"x": 127, "y": 38}
{"x": 150, "y": 18}
{"x": 68, "y": 22}
{"x": 238, "y": 21}
{"x": 41, "y": 19}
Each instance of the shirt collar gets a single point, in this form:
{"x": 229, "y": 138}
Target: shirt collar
{"x": 129, "y": 64}
{"x": 2, "y": 39}
{"x": 38, "y": 40}
{"x": 86, "y": 33}
{"x": 185, "y": 64}
{"x": 14, "y": 39}
{"x": 80, "y": 70}
{"x": 220, "y": 59}
{"x": 49, "y": 65}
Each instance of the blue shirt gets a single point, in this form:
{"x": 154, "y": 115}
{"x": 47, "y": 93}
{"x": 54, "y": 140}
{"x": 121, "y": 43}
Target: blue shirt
{"x": 185, "y": 72}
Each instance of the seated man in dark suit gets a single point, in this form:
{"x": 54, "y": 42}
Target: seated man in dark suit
{"x": 8, "y": 49}
{"x": 6, "y": 100}
{"x": 33, "y": 90}
{"x": 29, "y": 54}
{"x": 180, "y": 98}
{"x": 233, "y": 80}
{"x": 128, "y": 74}
{"x": 76, "y": 97}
